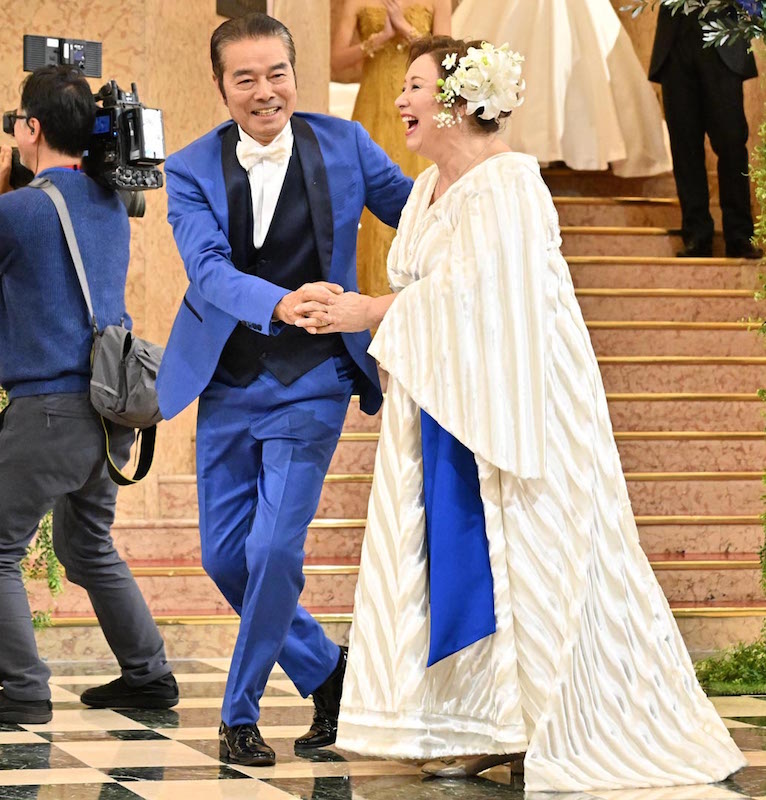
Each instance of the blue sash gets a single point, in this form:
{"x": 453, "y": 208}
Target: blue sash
{"x": 460, "y": 578}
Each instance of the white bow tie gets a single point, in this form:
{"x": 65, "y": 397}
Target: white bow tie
{"x": 250, "y": 153}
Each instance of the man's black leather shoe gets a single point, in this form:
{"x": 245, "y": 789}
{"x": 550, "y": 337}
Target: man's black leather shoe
{"x": 324, "y": 728}
{"x": 243, "y": 744}
{"x": 744, "y": 249}
{"x": 159, "y": 693}
{"x": 25, "y": 712}
{"x": 696, "y": 250}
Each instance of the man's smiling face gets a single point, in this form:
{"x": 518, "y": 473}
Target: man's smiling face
{"x": 259, "y": 86}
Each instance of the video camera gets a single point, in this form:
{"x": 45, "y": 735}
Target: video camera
{"x": 127, "y": 143}
{"x": 128, "y": 139}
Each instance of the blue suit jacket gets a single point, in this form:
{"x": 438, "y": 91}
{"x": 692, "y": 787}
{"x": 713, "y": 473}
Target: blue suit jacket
{"x": 344, "y": 170}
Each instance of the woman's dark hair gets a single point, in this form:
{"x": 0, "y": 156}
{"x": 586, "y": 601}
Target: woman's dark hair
{"x": 61, "y": 99}
{"x": 439, "y": 47}
{"x": 251, "y": 26}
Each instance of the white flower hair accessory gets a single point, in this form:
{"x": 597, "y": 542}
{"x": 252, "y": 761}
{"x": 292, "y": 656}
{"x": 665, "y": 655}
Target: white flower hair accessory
{"x": 488, "y": 78}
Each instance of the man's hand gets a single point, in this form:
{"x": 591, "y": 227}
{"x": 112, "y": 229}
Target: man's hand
{"x": 348, "y": 313}
{"x": 311, "y": 297}
{"x": 5, "y": 169}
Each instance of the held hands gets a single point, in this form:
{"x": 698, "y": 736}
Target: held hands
{"x": 5, "y": 169}
{"x": 343, "y": 313}
{"x": 310, "y": 297}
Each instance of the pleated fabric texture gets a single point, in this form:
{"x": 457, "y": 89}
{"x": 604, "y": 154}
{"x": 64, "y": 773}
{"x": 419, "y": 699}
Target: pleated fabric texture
{"x": 587, "y": 671}
{"x": 588, "y": 102}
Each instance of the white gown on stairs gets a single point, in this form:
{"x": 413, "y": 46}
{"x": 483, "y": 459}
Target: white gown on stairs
{"x": 587, "y": 671}
{"x": 588, "y": 101}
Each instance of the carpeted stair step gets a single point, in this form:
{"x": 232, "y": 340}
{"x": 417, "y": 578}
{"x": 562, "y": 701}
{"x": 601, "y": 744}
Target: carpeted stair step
{"x": 632, "y": 272}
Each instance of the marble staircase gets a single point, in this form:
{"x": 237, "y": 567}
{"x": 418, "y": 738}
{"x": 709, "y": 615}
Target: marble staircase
{"x": 681, "y": 365}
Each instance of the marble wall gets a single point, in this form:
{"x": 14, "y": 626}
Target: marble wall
{"x": 163, "y": 46}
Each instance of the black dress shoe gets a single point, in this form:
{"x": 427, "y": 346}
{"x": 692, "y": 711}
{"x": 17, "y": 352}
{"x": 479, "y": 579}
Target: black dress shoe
{"x": 25, "y": 712}
{"x": 696, "y": 250}
{"x": 243, "y": 744}
{"x": 324, "y": 728}
{"x": 159, "y": 693}
{"x": 745, "y": 249}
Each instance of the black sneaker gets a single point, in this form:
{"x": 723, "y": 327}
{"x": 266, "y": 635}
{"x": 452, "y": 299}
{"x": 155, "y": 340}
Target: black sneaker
{"x": 25, "y": 712}
{"x": 159, "y": 693}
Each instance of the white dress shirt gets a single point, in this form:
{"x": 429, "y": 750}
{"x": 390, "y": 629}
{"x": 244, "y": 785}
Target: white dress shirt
{"x": 266, "y": 180}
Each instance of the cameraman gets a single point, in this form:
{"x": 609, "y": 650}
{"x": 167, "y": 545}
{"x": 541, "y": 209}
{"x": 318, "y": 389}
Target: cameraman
{"x": 52, "y": 448}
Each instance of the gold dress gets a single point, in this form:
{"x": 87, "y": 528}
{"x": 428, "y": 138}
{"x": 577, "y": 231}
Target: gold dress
{"x": 381, "y": 84}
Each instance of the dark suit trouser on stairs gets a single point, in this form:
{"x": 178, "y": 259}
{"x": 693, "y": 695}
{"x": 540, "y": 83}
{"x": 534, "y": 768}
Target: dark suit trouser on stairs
{"x": 52, "y": 456}
{"x": 703, "y": 96}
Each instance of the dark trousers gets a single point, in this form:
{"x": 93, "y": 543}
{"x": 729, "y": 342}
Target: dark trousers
{"x": 52, "y": 456}
{"x": 703, "y": 96}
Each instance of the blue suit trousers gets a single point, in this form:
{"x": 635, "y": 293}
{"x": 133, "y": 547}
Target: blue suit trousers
{"x": 262, "y": 454}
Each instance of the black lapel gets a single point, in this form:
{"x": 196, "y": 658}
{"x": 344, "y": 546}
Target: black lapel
{"x": 317, "y": 190}
{"x": 239, "y": 201}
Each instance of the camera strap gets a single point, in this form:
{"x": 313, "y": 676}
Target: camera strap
{"x": 74, "y": 249}
{"x": 146, "y": 435}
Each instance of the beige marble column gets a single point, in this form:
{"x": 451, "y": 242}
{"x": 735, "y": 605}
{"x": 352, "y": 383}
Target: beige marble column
{"x": 309, "y": 24}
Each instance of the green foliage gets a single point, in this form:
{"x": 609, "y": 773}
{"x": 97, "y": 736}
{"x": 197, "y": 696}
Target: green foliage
{"x": 41, "y": 619}
{"x": 735, "y": 25}
{"x": 758, "y": 177}
{"x": 40, "y": 562}
{"x": 740, "y": 669}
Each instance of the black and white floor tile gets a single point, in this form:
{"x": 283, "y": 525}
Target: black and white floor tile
{"x": 86, "y": 754}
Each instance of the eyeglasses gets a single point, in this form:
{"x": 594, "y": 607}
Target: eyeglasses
{"x": 9, "y": 121}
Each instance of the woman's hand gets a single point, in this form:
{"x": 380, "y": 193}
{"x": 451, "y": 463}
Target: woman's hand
{"x": 310, "y": 296}
{"x": 386, "y": 34}
{"x": 398, "y": 20}
{"x": 379, "y": 39}
{"x": 345, "y": 313}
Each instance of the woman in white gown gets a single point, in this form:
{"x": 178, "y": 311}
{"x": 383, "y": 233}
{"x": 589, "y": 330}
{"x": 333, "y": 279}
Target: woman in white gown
{"x": 589, "y": 103}
{"x": 586, "y": 671}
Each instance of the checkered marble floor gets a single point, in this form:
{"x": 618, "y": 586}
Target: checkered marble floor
{"x": 86, "y": 754}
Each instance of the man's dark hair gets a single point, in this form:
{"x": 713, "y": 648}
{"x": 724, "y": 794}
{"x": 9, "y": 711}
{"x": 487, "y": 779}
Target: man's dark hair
{"x": 251, "y": 26}
{"x": 62, "y": 100}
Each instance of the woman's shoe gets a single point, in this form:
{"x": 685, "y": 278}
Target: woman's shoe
{"x": 466, "y": 766}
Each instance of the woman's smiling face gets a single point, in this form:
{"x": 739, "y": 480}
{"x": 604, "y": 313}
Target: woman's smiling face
{"x": 417, "y": 106}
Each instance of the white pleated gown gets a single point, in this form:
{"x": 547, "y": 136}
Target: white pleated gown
{"x": 587, "y": 671}
{"x": 588, "y": 102}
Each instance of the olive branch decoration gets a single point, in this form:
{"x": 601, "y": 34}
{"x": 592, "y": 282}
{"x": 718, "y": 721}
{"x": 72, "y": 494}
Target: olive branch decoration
{"x": 723, "y": 21}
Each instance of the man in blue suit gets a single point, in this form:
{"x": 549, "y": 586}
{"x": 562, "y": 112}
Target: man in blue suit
{"x": 265, "y": 211}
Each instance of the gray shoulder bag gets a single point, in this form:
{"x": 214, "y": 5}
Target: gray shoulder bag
{"x": 123, "y": 367}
